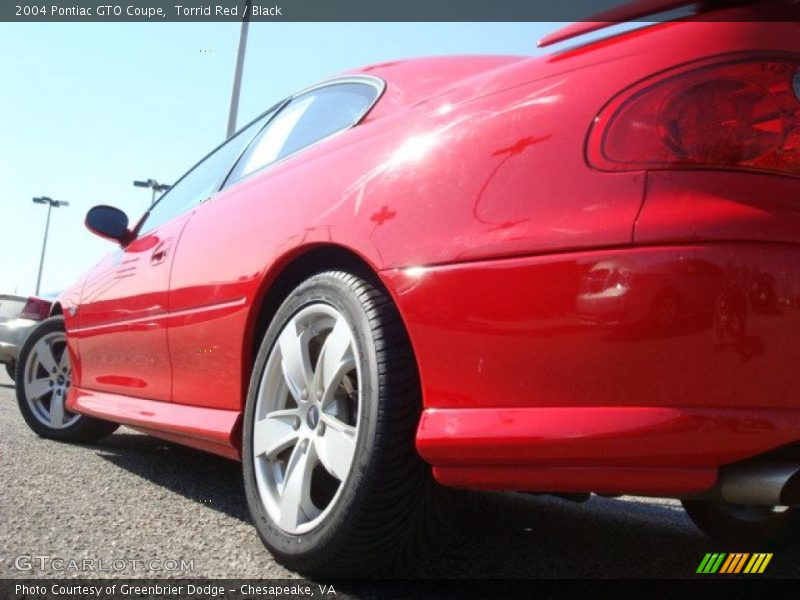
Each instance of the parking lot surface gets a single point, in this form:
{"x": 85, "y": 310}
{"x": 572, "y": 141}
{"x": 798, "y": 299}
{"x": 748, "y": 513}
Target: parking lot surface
{"x": 133, "y": 497}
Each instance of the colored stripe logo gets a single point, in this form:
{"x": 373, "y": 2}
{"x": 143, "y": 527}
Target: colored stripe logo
{"x": 737, "y": 562}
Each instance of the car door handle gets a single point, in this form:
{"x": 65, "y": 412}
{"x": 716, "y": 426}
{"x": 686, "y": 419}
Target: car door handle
{"x": 158, "y": 256}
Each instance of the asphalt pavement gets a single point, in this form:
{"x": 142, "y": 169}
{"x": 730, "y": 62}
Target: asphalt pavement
{"x": 133, "y": 498}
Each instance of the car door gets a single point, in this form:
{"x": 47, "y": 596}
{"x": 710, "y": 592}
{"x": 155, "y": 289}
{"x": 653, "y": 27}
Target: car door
{"x": 220, "y": 263}
{"x": 122, "y": 340}
{"x": 124, "y": 305}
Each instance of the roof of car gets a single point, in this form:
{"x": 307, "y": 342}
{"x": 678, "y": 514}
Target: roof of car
{"x": 412, "y": 80}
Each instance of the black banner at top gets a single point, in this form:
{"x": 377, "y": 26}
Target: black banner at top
{"x": 338, "y": 10}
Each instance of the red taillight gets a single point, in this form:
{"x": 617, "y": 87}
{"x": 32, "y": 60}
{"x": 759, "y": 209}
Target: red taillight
{"x": 36, "y": 309}
{"x": 741, "y": 114}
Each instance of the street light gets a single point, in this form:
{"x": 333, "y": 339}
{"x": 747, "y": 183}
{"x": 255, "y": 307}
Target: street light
{"x": 154, "y": 185}
{"x": 50, "y": 204}
{"x": 237, "y": 73}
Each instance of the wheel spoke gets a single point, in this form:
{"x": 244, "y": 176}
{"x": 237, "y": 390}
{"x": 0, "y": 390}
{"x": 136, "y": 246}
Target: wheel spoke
{"x": 57, "y": 410}
{"x": 37, "y": 388}
{"x": 335, "y": 359}
{"x": 336, "y": 447}
{"x": 64, "y": 361}
{"x": 274, "y": 433}
{"x": 337, "y": 377}
{"x": 295, "y": 502}
{"x": 44, "y": 352}
{"x": 295, "y": 361}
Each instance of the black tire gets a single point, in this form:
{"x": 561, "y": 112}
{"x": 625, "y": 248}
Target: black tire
{"x": 383, "y": 512}
{"x": 11, "y": 369}
{"x": 83, "y": 429}
{"x": 745, "y": 527}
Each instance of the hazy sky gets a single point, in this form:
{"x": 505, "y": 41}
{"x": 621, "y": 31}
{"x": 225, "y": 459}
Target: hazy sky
{"x": 87, "y": 108}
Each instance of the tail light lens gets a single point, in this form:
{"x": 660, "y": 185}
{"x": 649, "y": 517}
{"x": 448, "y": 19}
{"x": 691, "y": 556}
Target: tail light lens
{"x": 36, "y": 309}
{"x": 740, "y": 114}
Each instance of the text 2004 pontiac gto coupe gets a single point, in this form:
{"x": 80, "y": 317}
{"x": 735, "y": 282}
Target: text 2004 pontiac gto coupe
{"x": 575, "y": 273}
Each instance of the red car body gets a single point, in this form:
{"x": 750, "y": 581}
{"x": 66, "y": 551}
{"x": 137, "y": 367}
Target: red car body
{"x": 473, "y": 189}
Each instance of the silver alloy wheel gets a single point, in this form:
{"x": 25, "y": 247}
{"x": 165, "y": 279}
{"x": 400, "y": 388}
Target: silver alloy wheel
{"x": 47, "y": 381}
{"x": 307, "y": 416}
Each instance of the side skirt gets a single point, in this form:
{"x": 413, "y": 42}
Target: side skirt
{"x": 208, "y": 429}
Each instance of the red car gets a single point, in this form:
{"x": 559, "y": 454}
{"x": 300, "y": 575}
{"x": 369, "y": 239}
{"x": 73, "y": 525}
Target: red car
{"x": 381, "y": 284}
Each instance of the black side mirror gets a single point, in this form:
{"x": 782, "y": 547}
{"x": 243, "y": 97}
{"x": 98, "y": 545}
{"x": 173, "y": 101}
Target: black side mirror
{"x": 109, "y": 223}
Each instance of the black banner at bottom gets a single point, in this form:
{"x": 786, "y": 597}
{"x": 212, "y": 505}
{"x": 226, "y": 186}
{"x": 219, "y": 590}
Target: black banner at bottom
{"x": 304, "y": 589}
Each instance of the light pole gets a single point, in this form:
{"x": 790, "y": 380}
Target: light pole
{"x": 50, "y": 204}
{"x": 237, "y": 74}
{"x": 154, "y": 185}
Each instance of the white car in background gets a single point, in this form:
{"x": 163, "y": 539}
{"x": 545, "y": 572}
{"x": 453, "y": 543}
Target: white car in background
{"x": 18, "y": 315}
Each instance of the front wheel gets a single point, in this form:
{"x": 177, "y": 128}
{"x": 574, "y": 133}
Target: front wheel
{"x": 746, "y": 526}
{"x": 333, "y": 481}
{"x": 43, "y": 381}
{"x": 11, "y": 369}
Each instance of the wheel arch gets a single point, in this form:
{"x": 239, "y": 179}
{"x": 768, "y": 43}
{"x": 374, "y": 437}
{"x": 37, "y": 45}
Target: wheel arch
{"x": 278, "y": 282}
{"x": 284, "y": 276}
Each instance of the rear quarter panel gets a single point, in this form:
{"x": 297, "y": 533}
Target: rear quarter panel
{"x": 446, "y": 181}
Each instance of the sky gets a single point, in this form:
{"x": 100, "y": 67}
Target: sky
{"x": 87, "y": 108}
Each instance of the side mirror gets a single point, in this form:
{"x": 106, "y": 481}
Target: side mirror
{"x": 109, "y": 223}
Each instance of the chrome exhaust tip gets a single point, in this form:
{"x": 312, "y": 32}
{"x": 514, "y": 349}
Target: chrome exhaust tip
{"x": 759, "y": 483}
{"x": 790, "y": 495}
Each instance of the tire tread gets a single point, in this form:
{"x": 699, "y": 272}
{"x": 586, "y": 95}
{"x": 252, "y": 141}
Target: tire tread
{"x": 389, "y": 522}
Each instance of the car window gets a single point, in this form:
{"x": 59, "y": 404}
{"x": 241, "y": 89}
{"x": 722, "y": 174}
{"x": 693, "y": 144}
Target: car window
{"x": 204, "y": 178}
{"x": 306, "y": 119}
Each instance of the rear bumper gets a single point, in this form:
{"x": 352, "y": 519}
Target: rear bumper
{"x": 642, "y": 450}
{"x": 522, "y": 392}
{"x": 12, "y": 336}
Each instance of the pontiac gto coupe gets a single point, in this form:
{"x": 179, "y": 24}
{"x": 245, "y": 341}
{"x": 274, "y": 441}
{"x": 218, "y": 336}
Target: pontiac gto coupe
{"x": 575, "y": 273}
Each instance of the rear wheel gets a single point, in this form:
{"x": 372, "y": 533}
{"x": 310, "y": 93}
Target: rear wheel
{"x": 334, "y": 484}
{"x": 43, "y": 383}
{"x": 11, "y": 368}
{"x": 744, "y": 525}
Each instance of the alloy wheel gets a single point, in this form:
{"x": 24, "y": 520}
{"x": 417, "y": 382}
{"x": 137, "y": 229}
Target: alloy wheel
{"x": 47, "y": 379}
{"x": 307, "y": 416}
